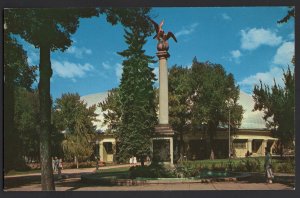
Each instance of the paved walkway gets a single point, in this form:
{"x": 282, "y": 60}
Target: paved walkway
{"x": 31, "y": 182}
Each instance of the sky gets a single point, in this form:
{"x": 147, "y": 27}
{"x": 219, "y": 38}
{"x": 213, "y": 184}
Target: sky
{"x": 246, "y": 41}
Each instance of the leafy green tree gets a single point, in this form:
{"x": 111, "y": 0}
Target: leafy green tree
{"x": 26, "y": 122}
{"x": 180, "y": 108}
{"x": 278, "y": 105}
{"x": 138, "y": 115}
{"x": 111, "y": 108}
{"x": 291, "y": 14}
{"x": 17, "y": 73}
{"x": 212, "y": 89}
{"x": 72, "y": 116}
{"x": 49, "y": 30}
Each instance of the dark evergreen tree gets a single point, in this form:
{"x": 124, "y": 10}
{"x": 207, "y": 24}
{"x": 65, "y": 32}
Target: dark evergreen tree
{"x": 137, "y": 97}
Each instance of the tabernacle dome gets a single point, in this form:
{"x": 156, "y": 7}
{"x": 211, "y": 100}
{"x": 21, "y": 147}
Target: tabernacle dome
{"x": 251, "y": 119}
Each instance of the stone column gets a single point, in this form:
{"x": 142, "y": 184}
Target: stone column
{"x": 249, "y": 146}
{"x": 263, "y": 146}
{"x": 163, "y": 87}
{"x": 101, "y": 151}
{"x": 114, "y": 148}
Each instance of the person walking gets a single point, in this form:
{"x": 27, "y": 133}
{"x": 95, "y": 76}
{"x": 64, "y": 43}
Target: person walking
{"x": 268, "y": 166}
{"x": 134, "y": 161}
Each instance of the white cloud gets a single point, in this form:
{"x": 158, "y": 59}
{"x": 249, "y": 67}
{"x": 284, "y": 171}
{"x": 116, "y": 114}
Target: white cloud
{"x": 235, "y": 55}
{"x": 187, "y": 30}
{"x": 70, "y": 70}
{"x": 156, "y": 72}
{"x": 253, "y": 38}
{"x": 226, "y": 16}
{"x": 291, "y": 36}
{"x": 119, "y": 70}
{"x": 284, "y": 54}
{"x": 281, "y": 60}
{"x": 79, "y": 52}
{"x": 33, "y": 58}
{"x": 267, "y": 78}
{"x": 106, "y": 65}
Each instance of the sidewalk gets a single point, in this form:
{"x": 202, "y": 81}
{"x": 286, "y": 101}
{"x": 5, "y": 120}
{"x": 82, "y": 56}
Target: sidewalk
{"x": 31, "y": 182}
{"x": 75, "y": 185}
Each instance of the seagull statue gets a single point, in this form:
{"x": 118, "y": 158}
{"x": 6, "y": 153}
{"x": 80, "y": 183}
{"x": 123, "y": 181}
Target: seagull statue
{"x": 161, "y": 36}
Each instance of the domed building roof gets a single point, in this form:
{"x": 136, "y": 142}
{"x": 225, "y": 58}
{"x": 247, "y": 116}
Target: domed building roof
{"x": 251, "y": 119}
{"x": 94, "y": 99}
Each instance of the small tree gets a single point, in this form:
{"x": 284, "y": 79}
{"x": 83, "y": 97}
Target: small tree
{"x": 74, "y": 118}
{"x": 278, "y": 105}
{"x": 111, "y": 108}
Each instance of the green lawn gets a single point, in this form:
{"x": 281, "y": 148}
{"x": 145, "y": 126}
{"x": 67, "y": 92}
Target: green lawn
{"x": 113, "y": 172}
{"x": 14, "y": 172}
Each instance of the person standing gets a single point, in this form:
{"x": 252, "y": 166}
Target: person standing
{"x": 131, "y": 161}
{"x": 268, "y": 166}
{"x": 55, "y": 165}
{"x": 60, "y": 167}
{"x": 134, "y": 161}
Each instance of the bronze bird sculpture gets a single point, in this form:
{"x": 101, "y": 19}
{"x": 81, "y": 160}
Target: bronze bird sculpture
{"x": 161, "y": 36}
{"x": 160, "y": 32}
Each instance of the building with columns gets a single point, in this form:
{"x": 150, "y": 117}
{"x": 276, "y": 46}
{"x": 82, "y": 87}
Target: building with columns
{"x": 251, "y": 136}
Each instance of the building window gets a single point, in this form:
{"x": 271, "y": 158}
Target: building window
{"x": 240, "y": 144}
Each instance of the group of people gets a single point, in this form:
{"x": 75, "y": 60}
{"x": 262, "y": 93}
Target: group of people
{"x": 57, "y": 166}
{"x": 132, "y": 161}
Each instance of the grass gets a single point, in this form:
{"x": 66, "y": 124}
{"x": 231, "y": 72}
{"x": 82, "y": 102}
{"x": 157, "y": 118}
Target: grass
{"x": 122, "y": 172}
{"x": 14, "y": 172}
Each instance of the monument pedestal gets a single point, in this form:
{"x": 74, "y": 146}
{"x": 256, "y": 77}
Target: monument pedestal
{"x": 162, "y": 144}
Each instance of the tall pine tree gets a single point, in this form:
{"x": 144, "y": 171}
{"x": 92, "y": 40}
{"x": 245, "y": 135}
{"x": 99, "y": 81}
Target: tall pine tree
{"x": 138, "y": 113}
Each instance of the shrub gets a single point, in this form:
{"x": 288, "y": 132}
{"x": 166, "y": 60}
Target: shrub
{"x": 187, "y": 169}
{"x": 249, "y": 165}
{"x": 154, "y": 170}
{"x": 286, "y": 167}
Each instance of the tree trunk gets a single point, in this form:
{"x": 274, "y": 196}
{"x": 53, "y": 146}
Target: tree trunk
{"x": 181, "y": 150}
{"x": 47, "y": 179}
{"x": 142, "y": 160}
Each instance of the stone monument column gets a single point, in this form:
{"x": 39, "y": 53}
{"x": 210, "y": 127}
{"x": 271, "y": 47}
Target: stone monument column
{"x": 163, "y": 87}
{"x": 162, "y": 143}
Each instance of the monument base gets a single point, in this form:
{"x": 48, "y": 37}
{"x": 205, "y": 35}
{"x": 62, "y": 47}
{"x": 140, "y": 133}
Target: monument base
{"x": 162, "y": 144}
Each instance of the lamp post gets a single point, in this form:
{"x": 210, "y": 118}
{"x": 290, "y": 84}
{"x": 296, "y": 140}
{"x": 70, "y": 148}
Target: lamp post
{"x": 229, "y": 133}
{"x": 229, "y": 101}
